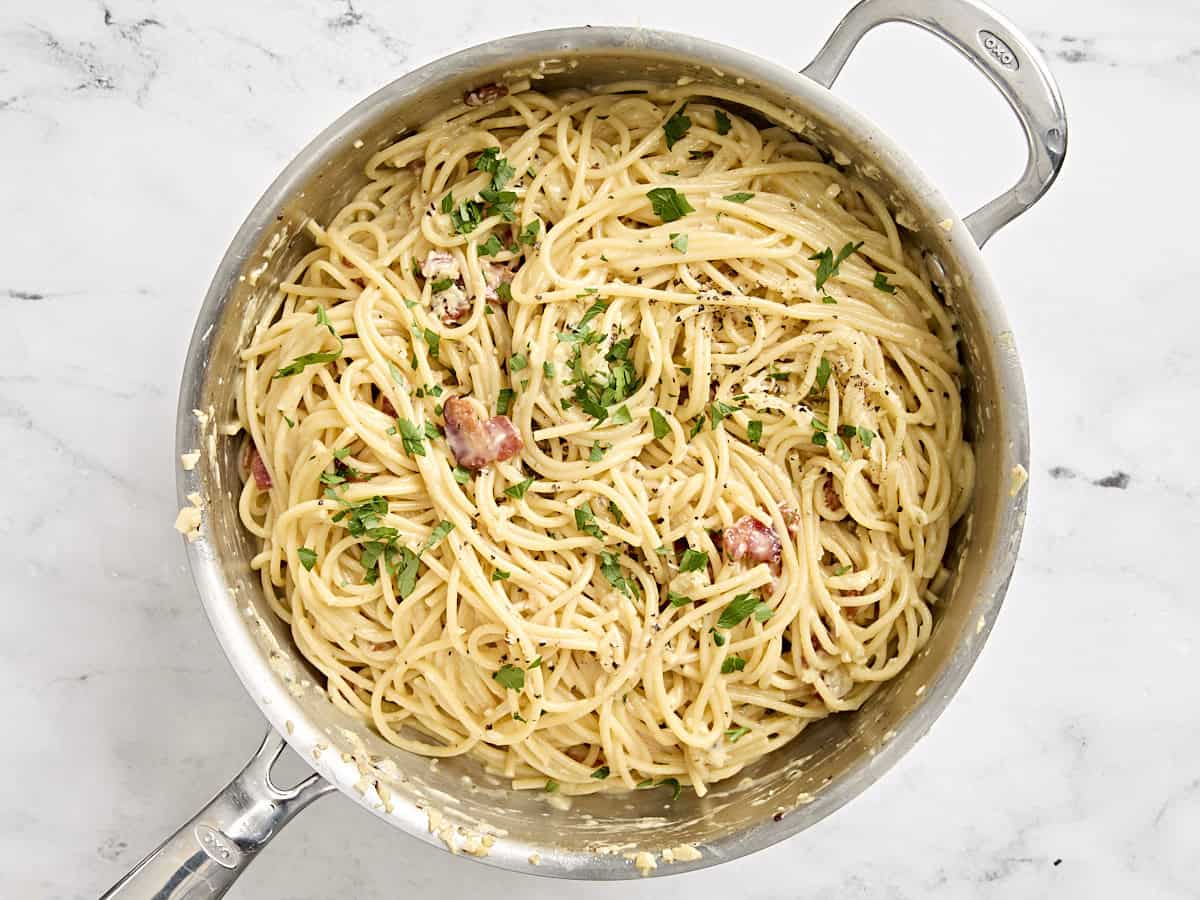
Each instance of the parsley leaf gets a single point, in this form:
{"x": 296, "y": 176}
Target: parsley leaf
{"x": 517, "y": 362}
{"x": 462, "y": 475}
{"x": 501, "y": 203}
{"x": 411, "y": 436}
{"x": 442, "y": 284}
{"x": 693, "y": 560}
{"x": 824, "y": 370}
{"x": 596, "y": 454}
{"x": 723, "y": 123}
{"x": 491, "y": 161}
{"x": 678, "y": 599}
{"x": 676, "y": 126}
{"x": 610, "y": 568}
{"x": 841, "y": 570}
{"x": 504, "y": 401}
{"x": 510, "y": 676}
{"x": 585, "y": 521}
{"x": 679, "y": 242}
{"x": 738, "y": 611}
{"x": 827, "y": 263}
{"x": 466, "y": 216}
{"x": 300, "y": 363}
{"x": 548, "y": 370}
{"x": 529, "y": 234}
{"x": 433, "y": 341}
{"x": 491, "y": 246}
{"x": 435, "y": 537}
{"x": 866, "y": 435}
{"x": 500, "y": 575}
{"x": 661, "y": 427}
{"x": 308, "y": 557}
{"x": 881, "y": 283}
{"x": 719, "y": 411}
{"x": 732, "y": 664}
{"x": 754, "y": 430}
{"x": 669, "y": 204}
{"x": 762, "y": 612}
{"x": 517, "y": 491}
{"x": 621, "y": 416}
{"x": 734, "y": 733}
{"x": 447, "y": 205}
{"x": 740, "y": 197}
{"x": 601, "y": 773}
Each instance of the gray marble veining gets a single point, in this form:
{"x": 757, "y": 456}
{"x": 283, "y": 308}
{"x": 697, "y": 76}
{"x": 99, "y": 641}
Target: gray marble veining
{"x": 137, "y": 134}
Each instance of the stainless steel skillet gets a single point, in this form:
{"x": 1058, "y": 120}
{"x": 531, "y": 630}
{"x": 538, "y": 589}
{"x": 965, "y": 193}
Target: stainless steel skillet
{"x": 452, "y": 803}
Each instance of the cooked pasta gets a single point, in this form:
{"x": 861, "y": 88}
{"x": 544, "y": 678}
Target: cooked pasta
{"x": 609, "y": 437}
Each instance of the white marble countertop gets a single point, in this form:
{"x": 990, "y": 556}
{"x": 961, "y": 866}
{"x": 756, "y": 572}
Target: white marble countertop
{"x": 137, "y": 135}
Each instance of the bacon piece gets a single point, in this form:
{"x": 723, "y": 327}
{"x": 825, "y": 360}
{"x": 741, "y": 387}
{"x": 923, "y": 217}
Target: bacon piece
{"x": 451, "y": 305}
{"x": 485, "y": 93}
{"x": 750, "y": 538}
{"x": 262, "y": 478}
{"x": 494, "y": 275}
{"x": 439, "y": 264}
{"x": 832, "y": 499}
{"x": 474, "y": 442}
{"x": 791, "y": 519}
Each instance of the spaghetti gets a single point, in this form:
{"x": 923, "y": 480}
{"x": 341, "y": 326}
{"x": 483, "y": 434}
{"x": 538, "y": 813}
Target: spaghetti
{"x": 610, "y": 437}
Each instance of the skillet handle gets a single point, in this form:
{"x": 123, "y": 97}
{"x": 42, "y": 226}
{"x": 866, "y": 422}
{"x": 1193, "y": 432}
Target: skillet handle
{"x": 207, "y": 854}
{"x": 1009, "y": 61}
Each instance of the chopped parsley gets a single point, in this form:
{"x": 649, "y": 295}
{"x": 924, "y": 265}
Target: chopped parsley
{"x": 824, "y": 370}
{"x": 491, "y": 161}
{"x": 679, "y": 242}
{"x": 596, "y": 454}
{"x": 659, "y": 422}
{"x": 621, "y": 416}
{"x": 517, "y": 362}
{"x": 827, "y": 263}
{"x": 504, "y": 401}
{"x": 693, "y": 560}
{"x": 740, "y": 609}
{"x": 491, "y": 246}
{"x": 290, "y": 423}
{"x": 723, "y": 123}
{"x": 585, "y": 521}
{"x": 601, "y": 773}
{"x": 551, "y": 786}
{"x": 719, "y": 411}
{"x": 466, "y": 216}
{"x": 504, "y": 292}
{"x": 411, "y": 436}
{"x": 881, "y": 283}
{"x": 734, "y": 733}
{"x": 669, "y": 204}
{"x": 696, "y": 428}
{"x": 529, "y": 234}
{"x": 732, "y": 664}
{"x": 841, "y": 570}
{"x": 300, "y": 363}
{"x": 461, "y": 474}
{"x": 308, "y": 557}
{"x": 511, "y": 677}
{"x": 676, "y": 126}
{"x": 740, "y": 197}
{"x": 518, "y": 490}
{"x": 754, "y": 430}
{"x": 442, "y": 284}
{"x": 433, "y": 342}
{"x": 610, "y": 568}
{"x": 447, "y": 205}
{"x": 501, "y": 203}
{"x": 548, "y": 369}
{"x": 678, "y": 599}
{"x": 501, "y": 575}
